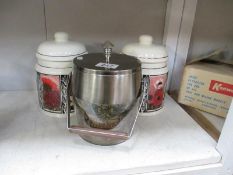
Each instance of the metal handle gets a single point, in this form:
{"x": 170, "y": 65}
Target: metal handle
{"x": 108, "y": 50}
{"x": 100, "y": 132}
{"x": 105, "y": 133}
{"x": 139, "y": 108}
{"x": 92, "y": 131}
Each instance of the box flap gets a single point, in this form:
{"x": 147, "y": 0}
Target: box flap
{"x": 214, "y": 57}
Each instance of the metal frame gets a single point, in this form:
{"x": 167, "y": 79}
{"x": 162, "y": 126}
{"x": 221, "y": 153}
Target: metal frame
{"x": 179, "y": 22}
{"x": 225, "y": 143}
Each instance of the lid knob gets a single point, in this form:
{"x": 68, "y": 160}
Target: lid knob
{"x": 108, "y": 50}
{"x": 146, "y": 39}
{"x": 61, "y": 37}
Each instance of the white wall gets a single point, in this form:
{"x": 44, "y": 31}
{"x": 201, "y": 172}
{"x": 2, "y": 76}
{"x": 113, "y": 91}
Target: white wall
{"x": 22, "y": 28}
{"x": 94, "y": 21}
{"x": 213, "y": 28}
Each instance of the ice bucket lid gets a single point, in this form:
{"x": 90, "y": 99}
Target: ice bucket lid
{"x": 118, "y": 64}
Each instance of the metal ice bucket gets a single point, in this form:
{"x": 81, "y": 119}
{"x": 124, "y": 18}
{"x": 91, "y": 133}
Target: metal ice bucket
{"x": 106, "y": 90}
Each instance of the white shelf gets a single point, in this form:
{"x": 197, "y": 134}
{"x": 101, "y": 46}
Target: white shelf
{"x": 216, "y": 121}
{"x": 32, "y": 143}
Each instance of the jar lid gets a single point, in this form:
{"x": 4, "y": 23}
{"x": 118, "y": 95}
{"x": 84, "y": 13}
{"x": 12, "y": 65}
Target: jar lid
{"x": 61, "y": 49}
{"x": 145, "y": 49}
{"x": 118, "y": 64}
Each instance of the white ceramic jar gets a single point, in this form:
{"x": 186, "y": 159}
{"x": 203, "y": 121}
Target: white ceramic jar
{"x": 154, "y": 60}
{"x": 55, "y": 61}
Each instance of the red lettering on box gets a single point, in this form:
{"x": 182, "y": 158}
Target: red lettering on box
{"x": 221, "y": 88}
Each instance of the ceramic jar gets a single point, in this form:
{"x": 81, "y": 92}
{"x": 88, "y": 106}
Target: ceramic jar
{"x": 53, "y": 73}
{"x": 154, "y": 60}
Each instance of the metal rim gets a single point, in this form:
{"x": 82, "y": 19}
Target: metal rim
{"x": 108, "y": 72}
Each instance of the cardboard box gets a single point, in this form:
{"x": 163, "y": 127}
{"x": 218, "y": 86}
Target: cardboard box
{"x": 208, "y": 85}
